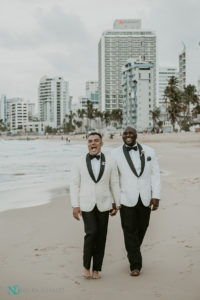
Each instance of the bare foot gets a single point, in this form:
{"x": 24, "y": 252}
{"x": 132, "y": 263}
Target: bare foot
{"x": 96, "y": 275}
{"x": 86, "y": 273}
{"x": 135, "y": 272}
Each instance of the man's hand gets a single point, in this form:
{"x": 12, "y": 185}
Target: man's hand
{"x": 154, "y": 204}
{"x": 114, "y": 210}
{"x": 77, "y": 213}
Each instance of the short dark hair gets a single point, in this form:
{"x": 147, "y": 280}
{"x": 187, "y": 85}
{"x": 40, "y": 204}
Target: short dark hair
{"x": 95, "y": 133}
{"x": 129, "y": 127}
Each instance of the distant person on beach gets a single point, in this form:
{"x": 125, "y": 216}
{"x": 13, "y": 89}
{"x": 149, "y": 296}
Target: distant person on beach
{"x": 140, "y": 193}
{"x": 67, "y": 140}
{"x": 94, "y": 192}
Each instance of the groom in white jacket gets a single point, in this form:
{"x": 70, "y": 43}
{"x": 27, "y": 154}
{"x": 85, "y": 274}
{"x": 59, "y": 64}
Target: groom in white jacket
{"x": 139, "y": 175}
{"x": 94, "y": 191}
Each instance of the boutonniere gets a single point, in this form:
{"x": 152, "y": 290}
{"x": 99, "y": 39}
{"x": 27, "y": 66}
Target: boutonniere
{"x": 142, "y": 153}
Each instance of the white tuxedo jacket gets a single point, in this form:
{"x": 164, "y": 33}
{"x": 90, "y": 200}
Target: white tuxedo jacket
{"x": 146, "y": 184}
{"x": 86, "y": 191}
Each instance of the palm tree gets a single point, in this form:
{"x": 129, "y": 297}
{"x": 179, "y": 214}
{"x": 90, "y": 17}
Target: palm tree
{"x": 3, "y": 126}
{"x": 98, "y": 115}
{"x": 107, "y": 117}
{"x": 116, "y": 115}
{"x": 69, "y": 124}
{"x": 173, "y": 97}
{"x": 160, "y": 125}
{"x": 81, "y": 113}
{"x": 189, "y": 97}
{"x": 89, "y": 112}
{"x": 78, "y": 123}
{"x": 196, "y": 110}
{"x": 155, "y": 116}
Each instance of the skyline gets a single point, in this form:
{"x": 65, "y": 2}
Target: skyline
{"x": 37, "y": 39}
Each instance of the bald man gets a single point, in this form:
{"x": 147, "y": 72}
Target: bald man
{"x": 139, "y": 175}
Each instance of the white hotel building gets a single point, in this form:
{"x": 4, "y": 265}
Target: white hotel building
{"x": 138, "y": 94}
{"x": 53, "y": 94}
{"x": 126, "y": 40}
{"x": 17, "y": 114}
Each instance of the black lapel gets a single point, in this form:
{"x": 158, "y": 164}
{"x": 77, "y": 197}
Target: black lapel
{"x": 128, "y": 158}
{"x": 89, "y": 166}
{"x": 142, "y": 158}
{"x": 102, "y": 167}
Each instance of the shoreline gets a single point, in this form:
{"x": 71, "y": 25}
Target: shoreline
{"x": 169, "y": 137}
{"x": 47, "y": 196}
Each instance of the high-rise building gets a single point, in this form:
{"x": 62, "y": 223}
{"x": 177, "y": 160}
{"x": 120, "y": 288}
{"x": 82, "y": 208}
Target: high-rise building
{"x": 182, "y": 68}
{"x": 17, "y": 113}
{"x": 126, "y": 40}
{"x": 138, "y": 94}
{"x": 31, "y": 110}
{"x": 92, "y": 93}
{"x": 163, "y": 79}
{"x": 82, "y": 102}
{"x": 53, "y": 100}
{"x": 3, "y": 109}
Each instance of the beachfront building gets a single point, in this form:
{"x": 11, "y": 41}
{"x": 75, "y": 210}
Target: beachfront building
{"x": 164, "y": 75}
{"x": 3, "y": 109}
{"x": 138, "y": 92}
{"x": 126, "y": 40}
{"x": 92, "y": 93}
{"x": 82, "y": 102}
{"x": 36, "y": 127}
{"x": 17, "y": 114}
{"x": 182, "y": 68}
{"x": 31, "y": 111}
{"x": 53, "y": 97}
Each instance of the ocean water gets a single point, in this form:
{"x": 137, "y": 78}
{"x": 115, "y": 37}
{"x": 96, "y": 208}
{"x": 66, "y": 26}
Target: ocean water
{"x": 32, "y": 172}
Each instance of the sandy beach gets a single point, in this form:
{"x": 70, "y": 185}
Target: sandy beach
{"x": 41, "y": 247}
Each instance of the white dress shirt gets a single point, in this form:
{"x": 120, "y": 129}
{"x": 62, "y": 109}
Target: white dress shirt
{"x": 95, "y": 163}
{"x": 135, "y": 157}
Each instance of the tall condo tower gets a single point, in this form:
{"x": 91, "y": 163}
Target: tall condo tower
{"x": 182, "y": 68}
{"x": 53, "y": 96}
{"x": 126, "y": 40}
{"x": 138, "y": 94}
{"x": 17, "y": 113}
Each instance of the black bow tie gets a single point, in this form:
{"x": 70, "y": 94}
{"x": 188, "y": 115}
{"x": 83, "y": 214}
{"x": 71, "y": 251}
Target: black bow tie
{"x": 94, "y": 156}
{"x": 132, "y": 148}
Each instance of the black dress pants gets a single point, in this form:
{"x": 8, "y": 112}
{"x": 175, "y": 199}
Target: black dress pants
{"x": 95, "y": 224}
{"x": 135, "y": 221}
